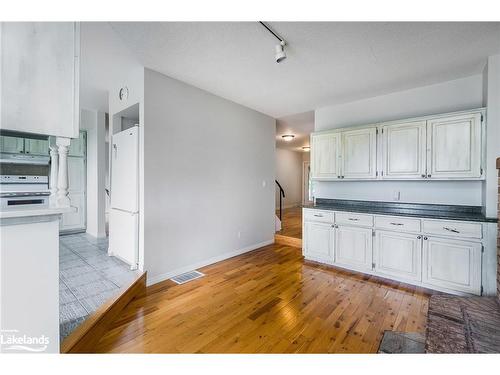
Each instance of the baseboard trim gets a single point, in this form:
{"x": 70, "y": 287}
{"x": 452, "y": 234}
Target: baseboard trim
{"x": 288, "y": 241}
{"x": 84, "y": 338}
{"x": 168, "y": 275}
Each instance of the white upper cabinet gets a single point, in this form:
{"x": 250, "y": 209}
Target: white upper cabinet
{"x": 36, "y": 146}
{"x": 438, "y": 147}
{"x": 40, "y": 77}
{"x": 404, "y": 150}
{"x": 11, "y": 144}
{"x": 325, "y": 153}
{"x": 359, "y": 154}
{"x": 454, "y": 146}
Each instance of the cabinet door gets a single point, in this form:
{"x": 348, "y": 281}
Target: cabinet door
{"x": 318, "y": 241}
{"x": 353, "y": 247}
{"x": 325, "y": 152}
{"x": 11, "y": 144}
{"x": 452, "y": 264}
{"x": 78, "y": 146}
{"x": 74, "y": 220}
{"x": 404, "y": 152}
{"x": 398, "y": 255}
{"x": 36, "y": 146}
{"x": 359, "y": 154}
{"x": 454, "y": 146}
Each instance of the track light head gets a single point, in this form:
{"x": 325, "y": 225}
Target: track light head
{"x": 280, "y": 52}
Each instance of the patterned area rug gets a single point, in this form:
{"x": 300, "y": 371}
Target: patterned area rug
{"x": 463, "y": 325}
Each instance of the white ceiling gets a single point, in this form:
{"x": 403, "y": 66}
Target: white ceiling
{"x": 301, "y": 125}
{"x": 328, "y": 62}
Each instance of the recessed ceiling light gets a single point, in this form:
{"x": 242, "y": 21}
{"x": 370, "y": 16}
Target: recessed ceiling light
{"x": 288, "y": 137}
{"x": 306, "y": 148}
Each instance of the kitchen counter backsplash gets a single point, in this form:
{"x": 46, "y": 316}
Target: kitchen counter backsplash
{"x": 434, "y": 211}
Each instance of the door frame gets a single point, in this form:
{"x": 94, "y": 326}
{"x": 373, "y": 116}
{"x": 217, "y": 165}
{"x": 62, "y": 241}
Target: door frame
{"x": 305, "y": 164}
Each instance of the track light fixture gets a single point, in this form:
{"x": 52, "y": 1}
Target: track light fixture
{"x": 288, "y": 137}
{"x": 280, "y": 53}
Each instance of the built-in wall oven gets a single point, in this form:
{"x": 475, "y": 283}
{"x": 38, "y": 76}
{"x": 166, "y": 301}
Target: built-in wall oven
{"x": 23, "y": 190}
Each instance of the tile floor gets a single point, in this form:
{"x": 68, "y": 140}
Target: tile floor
{"x": 88, "y": 277}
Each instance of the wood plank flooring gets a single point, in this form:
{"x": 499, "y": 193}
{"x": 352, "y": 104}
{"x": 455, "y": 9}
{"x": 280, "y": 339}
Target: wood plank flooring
{"x": 291, "y": 223}
{"x": 268, "y": 301}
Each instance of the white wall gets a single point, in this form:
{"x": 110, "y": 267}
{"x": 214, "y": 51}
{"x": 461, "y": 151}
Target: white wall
{"x": 94, "y": 123}
{"x": 206, "y": 160}
{"x": 492, "y": 101}
{"x": 461, "y": 94}
{"x": 289, "y": 175}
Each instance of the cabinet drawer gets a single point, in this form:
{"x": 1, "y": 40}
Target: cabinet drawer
{"x": 318, "y": 215}
{"x": 353, "y": 219}
{"x": 453, "y": 228}
{"x": 397, "y": 223}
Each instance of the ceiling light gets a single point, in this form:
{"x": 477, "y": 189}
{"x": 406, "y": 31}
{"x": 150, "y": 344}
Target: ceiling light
{"x": 306, "y": 148}
{"x": 288, "y": 137}
{"x": 280, "y": 54}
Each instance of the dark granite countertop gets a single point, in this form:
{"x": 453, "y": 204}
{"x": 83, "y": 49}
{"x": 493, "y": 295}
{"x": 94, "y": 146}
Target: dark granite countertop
{"x": 431, "y": 211}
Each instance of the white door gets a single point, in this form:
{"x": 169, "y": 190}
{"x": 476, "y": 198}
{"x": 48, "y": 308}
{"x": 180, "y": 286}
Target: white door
{"x": 11, "y": 144}
{"x": 404, "y": 150}
{"x": 359, "y": 154}
{"x": 318, "y": 241}
{"x": 452, "y": 264}
{"x": 398, "y": 255}
{"x": 325, "y": 153}
{"x": 353, "y": 247}
{"x": 454, "y": 147}
{"x": 125, "y": 170}
{"x": 36, "y": 146}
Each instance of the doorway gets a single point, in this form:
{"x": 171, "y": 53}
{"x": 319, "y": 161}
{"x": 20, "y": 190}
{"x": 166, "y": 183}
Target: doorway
{"x": 307, "y": 192}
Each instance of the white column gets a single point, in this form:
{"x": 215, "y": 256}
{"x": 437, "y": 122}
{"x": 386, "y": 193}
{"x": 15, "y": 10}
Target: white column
{"x": 54, "y": 170}
{"x": 62, "y": 177}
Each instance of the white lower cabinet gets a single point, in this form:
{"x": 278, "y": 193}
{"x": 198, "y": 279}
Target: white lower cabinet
{"x": 353, "y": 247}
{"x": 318, "y": 241}
{"x": 398, "y": 255}
{"x": 398, "y": 248}
{"x": 452, "y": 264}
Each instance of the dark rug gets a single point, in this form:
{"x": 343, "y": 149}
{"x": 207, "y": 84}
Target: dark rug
{"x": 463, "y": 325}
{"x": 402, "y": 342}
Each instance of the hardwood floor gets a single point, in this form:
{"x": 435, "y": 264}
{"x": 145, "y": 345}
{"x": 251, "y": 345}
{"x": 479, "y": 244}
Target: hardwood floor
{"x": 291, "y": 223}
{"x": 268, "y": 301}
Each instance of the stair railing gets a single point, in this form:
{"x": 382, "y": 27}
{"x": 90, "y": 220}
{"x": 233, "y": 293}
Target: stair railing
{"x": 282, "y": 195}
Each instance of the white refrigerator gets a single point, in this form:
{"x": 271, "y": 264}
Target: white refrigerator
{"x": 124, "y": 209}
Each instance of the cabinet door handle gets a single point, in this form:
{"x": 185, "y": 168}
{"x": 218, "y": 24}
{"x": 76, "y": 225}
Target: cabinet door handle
{"x": 353, "y": 219}
{"x": 428, "y": 176}
{"x": 318, "y": 215}
{"x": 342, "y": 177}
{"x": 425, "y": 238}
{"x": 419, "y": 237}
{"x": 398, "y": 224}
{"x": 424, "y": 176}
{"x": 451, "y": 230}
